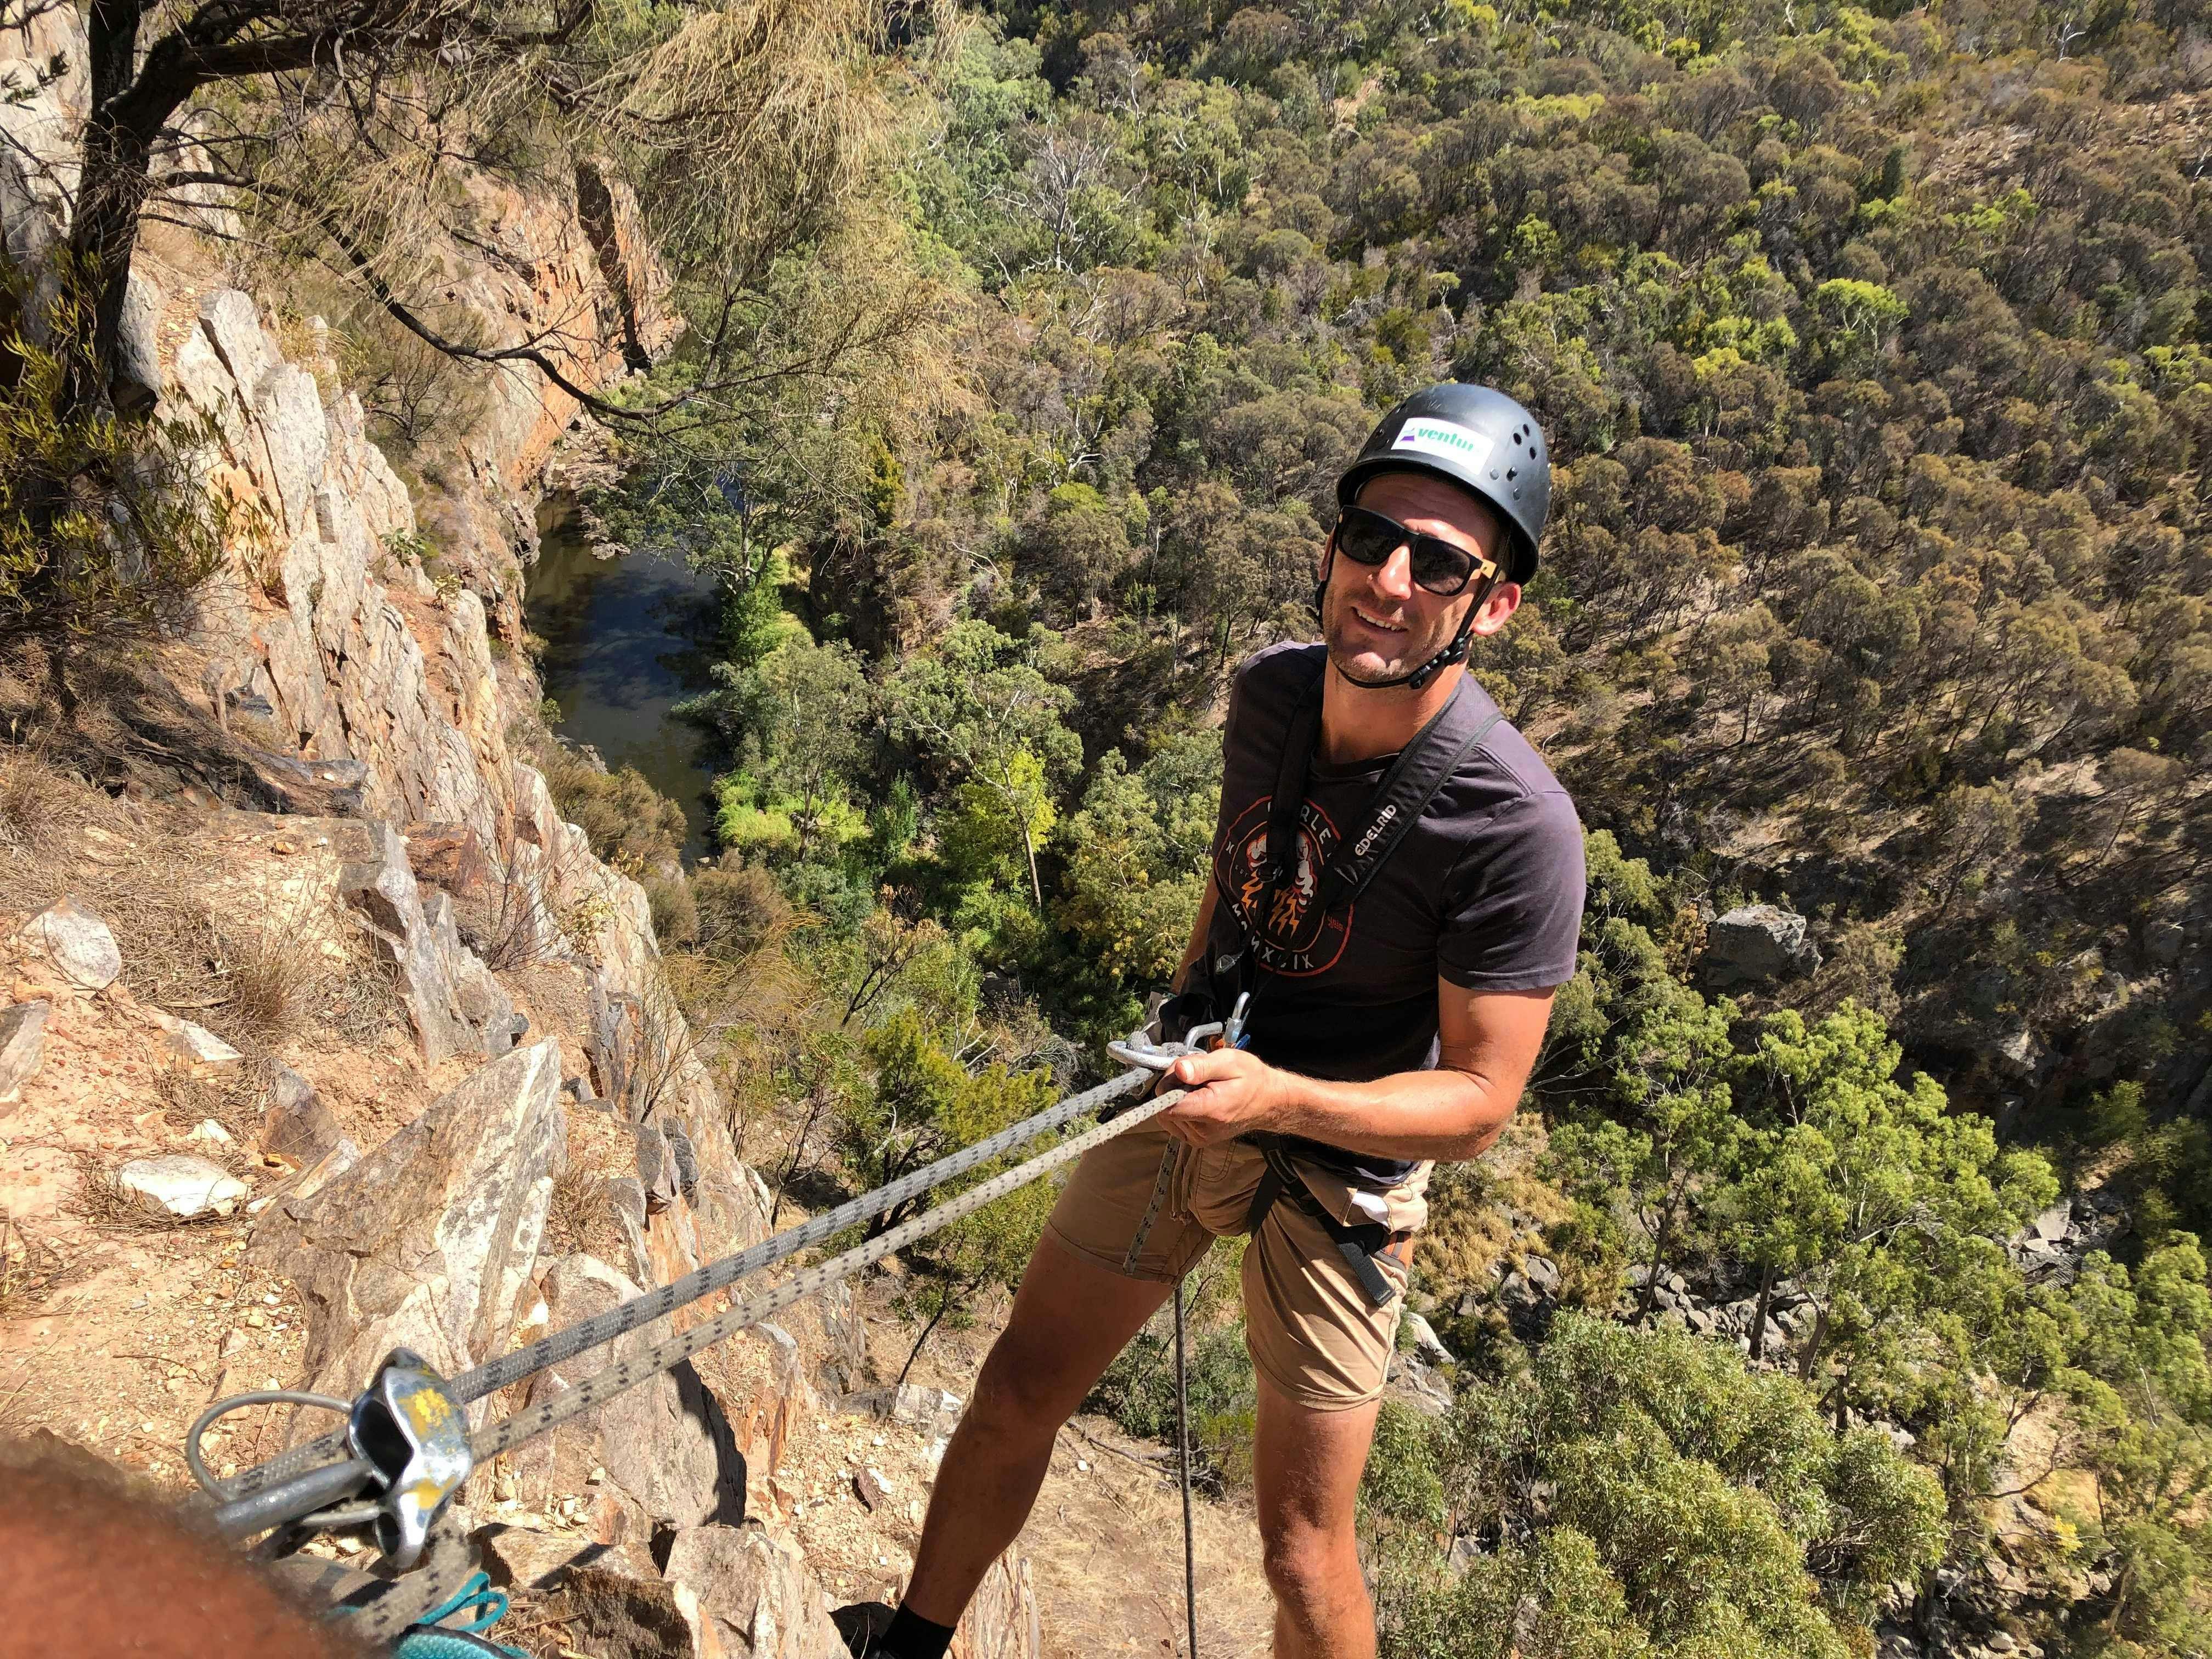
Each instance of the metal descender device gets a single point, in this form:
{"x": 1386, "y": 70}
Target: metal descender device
{"x": 409, "y": 1435}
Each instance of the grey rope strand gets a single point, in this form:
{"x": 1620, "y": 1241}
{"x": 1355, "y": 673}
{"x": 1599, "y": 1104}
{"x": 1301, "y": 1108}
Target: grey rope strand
{"x": 627, "y": 1372}
{"x": 496, "y": 1374}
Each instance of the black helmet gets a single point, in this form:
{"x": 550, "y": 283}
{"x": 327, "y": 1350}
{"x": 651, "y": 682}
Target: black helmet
{"x": 1478, "y": 438}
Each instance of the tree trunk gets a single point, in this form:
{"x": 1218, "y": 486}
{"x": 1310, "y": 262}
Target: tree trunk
{"x": 943, "y": 1305}
{"x": 127, "y": 111}
{"x": 1759, "y": 1316}
{"x": 1651, "y": 1297}
{"x": 1812, "y": 1354}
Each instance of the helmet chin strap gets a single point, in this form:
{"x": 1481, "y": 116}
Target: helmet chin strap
{"x": 1416, "y": 678}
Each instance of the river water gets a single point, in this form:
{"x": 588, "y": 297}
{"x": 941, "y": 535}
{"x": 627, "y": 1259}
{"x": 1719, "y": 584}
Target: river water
{"x": 627, "y": 639}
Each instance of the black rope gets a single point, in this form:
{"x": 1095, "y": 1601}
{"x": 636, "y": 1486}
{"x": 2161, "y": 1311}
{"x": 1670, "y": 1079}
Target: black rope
{"x": 1182, "y": 1459}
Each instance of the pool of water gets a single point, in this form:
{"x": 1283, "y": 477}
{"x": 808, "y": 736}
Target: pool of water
{"x": 627, "y": 639}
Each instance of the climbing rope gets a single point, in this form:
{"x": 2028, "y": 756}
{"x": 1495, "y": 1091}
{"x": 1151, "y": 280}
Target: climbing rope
{"x": 602, "y": 1328}
{"x": 297, "y": 1486}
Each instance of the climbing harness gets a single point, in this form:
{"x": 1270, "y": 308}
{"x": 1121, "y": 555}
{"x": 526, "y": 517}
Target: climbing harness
{"x": 1407, "y": 786}
{"x": 406, "y": 1447}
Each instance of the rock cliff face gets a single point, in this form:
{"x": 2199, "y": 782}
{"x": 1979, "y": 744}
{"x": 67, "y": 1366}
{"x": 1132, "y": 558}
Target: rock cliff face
{"x": 540, "y": 1080}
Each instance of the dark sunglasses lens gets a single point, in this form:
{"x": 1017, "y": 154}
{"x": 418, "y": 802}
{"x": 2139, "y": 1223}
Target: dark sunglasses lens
{"x": 1368, "y": 538}
{"x": 1440, "y": 566}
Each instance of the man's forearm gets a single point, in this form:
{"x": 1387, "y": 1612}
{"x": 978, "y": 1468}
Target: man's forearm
{"x": 1444, "y": 1114}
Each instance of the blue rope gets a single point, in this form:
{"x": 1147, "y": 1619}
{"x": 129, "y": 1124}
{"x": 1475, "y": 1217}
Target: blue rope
{"x": 432, "y": 1637}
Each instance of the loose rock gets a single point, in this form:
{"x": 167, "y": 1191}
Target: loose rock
{"x": 181, "y": 1186}
{"x": 296, "y": 1124}
{"x": 22, "y": 1045}
{"x": 76, "y": 943}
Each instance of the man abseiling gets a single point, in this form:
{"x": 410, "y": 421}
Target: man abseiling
{"x": 1400, "y": 952}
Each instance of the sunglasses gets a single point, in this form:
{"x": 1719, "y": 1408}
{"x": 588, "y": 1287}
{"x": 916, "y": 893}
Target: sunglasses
{"x": 1366, "y": 537}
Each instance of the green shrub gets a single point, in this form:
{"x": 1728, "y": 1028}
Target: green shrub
{"x": 675, "y": 909}
{"x": 105, "y": 529}
{"x": 630, "y": 823}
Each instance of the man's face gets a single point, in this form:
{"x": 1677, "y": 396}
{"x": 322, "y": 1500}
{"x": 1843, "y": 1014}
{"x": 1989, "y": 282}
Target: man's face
{"x": 1377, "y": 622}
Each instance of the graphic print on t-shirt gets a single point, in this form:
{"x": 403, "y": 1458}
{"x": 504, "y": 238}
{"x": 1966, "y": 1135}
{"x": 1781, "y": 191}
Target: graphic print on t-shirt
{"x": 1295, "y": 939}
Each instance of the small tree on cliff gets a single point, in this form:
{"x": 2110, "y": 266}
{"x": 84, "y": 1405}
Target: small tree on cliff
{"x": 338, "y": 129}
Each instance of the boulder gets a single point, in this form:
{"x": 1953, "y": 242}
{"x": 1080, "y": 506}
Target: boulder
{"x": 296, "y": 1124}
{"x": 665, "y": 1443}
{"x": 22, "y": 1045}
{"x": 1542, "y": 1273}
{"x": 1415, "y": 1385}
{"x": 2054, "y": 1223}
{"x": 1425, "y": 1342}
{"x": 181, "y": 1186}
{"x": 427, "y": 1240}
{"x": 2020, "y": 1054}
{"x": 1757, "y": 944}
{"x": 76, "y": 943}
{"x": 453, "y": 1001}
{"x": 749, "y": 1595}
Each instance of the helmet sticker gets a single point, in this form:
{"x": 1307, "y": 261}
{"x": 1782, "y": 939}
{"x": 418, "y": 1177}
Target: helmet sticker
{"x": 1445, "y": 437}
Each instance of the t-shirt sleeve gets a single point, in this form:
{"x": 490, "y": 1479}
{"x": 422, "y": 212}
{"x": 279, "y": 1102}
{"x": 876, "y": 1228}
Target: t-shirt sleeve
{"x": 1515, "y": 899}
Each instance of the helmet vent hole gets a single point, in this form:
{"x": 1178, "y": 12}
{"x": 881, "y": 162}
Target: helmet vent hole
{"x": 1511, "y": 473}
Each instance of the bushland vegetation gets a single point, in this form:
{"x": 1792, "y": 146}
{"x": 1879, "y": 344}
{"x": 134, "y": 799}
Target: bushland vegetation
{"x": 1009, "y": 401}
{"x": 1869, "y": 346}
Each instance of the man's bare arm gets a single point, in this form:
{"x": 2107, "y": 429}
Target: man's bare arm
{"x": 1489, "y": 1041}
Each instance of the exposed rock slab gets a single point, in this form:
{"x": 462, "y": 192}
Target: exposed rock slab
{"x": 429, "y": 1240}
{"x": 451, "y": 999}
{"x": 665, "y": 1443}
{"x": 748, "y": 1595}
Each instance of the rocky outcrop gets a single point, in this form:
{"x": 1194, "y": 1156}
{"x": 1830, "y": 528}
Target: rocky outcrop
{"x": 745, "y": 1593}
{"x": 1756, "y": 945}
{"x": 428, "y": 1241}
{"x": 456, "y": 1004}
{"x": 666, "y": 1444}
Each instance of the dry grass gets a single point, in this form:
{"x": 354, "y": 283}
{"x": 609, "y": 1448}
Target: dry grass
{"x": 236, "y": 1101}
{"x": 578, "y": 1215}
{"x": 256, "y": 975}
{"x": 31, "y": 1269}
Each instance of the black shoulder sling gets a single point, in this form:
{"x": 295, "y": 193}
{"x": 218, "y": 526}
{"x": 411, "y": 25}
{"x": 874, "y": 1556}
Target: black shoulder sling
{"x": 1400, "y": 799}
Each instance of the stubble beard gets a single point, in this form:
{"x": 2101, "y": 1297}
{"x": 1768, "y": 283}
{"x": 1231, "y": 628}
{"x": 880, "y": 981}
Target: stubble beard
{"x": 1353, "y": 647}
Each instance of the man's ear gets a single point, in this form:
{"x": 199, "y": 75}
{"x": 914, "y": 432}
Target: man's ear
{"x": 1496, "y": 608}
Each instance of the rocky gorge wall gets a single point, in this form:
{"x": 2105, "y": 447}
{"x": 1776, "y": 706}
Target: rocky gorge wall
{"x": 531, "y": 1137}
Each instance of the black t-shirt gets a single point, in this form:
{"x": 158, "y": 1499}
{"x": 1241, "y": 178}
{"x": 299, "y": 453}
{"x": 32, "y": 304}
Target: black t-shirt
{"x": 1486, "y": 890}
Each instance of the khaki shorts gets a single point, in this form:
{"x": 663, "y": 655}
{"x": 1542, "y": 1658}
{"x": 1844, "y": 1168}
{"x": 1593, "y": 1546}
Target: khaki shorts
{"x": 1311, "y": 1330}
